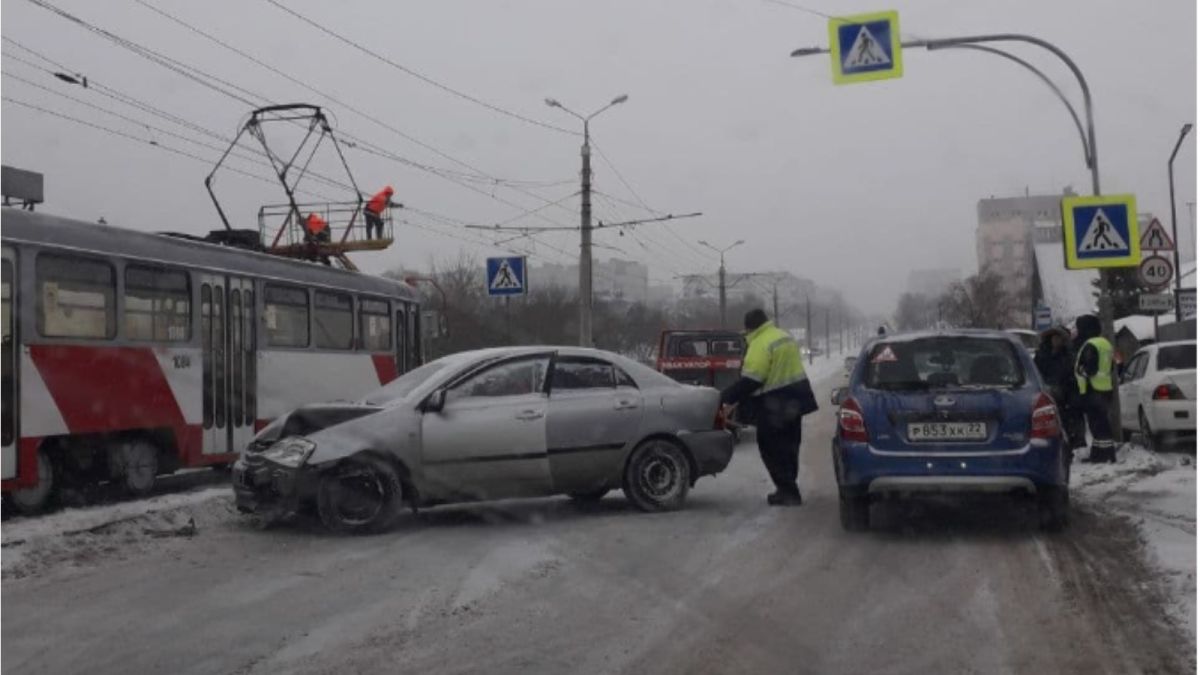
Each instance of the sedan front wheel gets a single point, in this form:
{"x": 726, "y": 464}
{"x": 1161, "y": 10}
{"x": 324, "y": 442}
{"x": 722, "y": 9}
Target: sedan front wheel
{"x": 360, "y": 495}
{"x": 658, "y": 476}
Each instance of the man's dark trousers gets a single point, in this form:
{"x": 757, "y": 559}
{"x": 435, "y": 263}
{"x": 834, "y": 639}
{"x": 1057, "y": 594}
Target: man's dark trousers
{"x": 779, "y": 440}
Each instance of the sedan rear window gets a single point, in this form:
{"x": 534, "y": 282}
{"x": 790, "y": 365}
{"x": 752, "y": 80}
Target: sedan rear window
{"x": 1177, "y": 357}
{"x": 944, "y": 362}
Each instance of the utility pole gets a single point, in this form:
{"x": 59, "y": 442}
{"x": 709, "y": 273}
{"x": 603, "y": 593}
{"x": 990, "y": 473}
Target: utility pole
{"x": 808, "y": 327}
{"x": 1175, "y": 227}
{"x": 585, "y": 220}
{"x": 721, "y": 286}
{"x": 841, "y": 331}
{"x": 828, "y": 346}
{"x": 585, "y": 241}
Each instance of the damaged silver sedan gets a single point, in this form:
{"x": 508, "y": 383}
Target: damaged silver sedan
{"x": 489, "y": 424}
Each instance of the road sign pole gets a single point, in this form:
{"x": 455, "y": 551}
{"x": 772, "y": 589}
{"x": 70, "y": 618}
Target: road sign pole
{"x": 1174, "y": 221}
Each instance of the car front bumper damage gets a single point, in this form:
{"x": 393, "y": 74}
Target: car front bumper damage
{"x": 270, "y": 490}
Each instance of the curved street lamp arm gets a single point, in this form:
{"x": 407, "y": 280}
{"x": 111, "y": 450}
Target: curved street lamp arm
{"x": 1083, "y": 86}
{"x": 1087, "y": 154}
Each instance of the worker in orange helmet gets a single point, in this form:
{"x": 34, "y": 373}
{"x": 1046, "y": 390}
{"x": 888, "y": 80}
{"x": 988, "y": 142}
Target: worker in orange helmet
{"x": 373, "y": 212}
{"x": 315, "y": 228}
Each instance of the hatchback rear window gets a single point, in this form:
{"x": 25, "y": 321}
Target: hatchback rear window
{"x": 1177, "y": 357}
{"x": 944, "y": 362}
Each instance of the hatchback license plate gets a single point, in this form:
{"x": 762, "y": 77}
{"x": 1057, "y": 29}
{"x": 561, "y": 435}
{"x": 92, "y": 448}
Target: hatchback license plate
{"x": 947, "y": 431}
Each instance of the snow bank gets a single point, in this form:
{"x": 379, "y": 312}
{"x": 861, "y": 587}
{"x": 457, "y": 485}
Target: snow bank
{"x": 1158, "y": 493}
{"x": 79, "y": 537}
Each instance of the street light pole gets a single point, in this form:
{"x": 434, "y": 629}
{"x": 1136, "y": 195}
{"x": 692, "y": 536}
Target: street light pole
{"x": 721, "y": 274}
{"x": 585, "y": 219}
{"x": 1187, "y": 128}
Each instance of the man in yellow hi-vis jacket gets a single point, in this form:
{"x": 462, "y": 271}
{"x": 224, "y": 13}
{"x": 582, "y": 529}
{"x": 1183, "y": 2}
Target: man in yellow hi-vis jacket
{"x": 774, "y": 393}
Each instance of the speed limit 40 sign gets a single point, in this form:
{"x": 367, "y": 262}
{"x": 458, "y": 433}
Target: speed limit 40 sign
{"x": 1155, "y": 271}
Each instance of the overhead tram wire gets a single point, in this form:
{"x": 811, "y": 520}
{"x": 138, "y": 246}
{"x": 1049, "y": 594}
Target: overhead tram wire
{"x": 420, "y": 76}
{"x": 479, "y": 174}
{"x": 131, "y": 120}
{"x": 249, "y": 154}
{"x": 198, "y": 75}
{"x": 651, "y": 236}
{"x": 128, "y": 136}
{"x": 638, "y": 197}
{"x": 186, "y": 69}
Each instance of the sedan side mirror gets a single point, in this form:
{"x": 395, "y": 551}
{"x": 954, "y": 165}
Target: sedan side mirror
{"x": 838, "y": 395}
{"x": 435, "y": 402}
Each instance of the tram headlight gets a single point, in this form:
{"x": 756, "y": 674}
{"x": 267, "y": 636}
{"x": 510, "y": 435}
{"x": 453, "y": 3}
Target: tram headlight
{"x": 291, "y": 452}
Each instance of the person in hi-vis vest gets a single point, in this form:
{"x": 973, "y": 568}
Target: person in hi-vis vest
{"x": 775, "y": 393}
{"x": 1094, "y": 375}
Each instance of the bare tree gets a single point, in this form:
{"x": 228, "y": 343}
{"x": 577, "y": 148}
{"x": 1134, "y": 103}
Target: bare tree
{"x": 980, "y": 301}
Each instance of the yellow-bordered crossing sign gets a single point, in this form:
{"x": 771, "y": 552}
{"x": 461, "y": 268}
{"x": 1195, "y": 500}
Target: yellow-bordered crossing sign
{"x": 1101, "y": 232}
{"x": 865, "y": 47}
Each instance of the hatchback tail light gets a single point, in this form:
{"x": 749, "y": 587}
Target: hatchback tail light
{"x": 851, "y": 425}
{"x": 1044, "y": 423}
{"x": 1168, "y": 392}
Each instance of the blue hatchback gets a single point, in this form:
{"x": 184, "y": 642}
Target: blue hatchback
{"x": 960, "y": 411}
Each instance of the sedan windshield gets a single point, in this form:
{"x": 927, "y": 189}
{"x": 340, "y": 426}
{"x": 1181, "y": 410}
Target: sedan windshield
{"x": 1177, "y": 357}
{"x": 404, "y": 385}
{"x": 944, "y": 362}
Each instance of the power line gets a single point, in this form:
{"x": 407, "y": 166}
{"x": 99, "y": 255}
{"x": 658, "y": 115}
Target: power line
{"x": 258, "y": 155}
{"x": 478, "y": 175}
{"x": 198, "y": 75}
{"x": 154, "y": 144}
{"x": 149, "y": 54}
{"x": 424, "y": 78}
{"x": 638, "y": 197}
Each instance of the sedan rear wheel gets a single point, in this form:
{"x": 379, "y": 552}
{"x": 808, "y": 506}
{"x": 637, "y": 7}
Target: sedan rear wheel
{"x": 658, "y": 476}
{"x": 1152, "y": 442}
{"x": 360, "y": 495}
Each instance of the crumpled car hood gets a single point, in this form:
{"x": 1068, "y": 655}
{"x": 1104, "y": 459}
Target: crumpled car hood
{"x": 312, "y": 418}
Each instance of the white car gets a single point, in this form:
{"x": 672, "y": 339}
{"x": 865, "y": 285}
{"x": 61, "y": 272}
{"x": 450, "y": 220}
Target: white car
{"x": 1158, "y": 392}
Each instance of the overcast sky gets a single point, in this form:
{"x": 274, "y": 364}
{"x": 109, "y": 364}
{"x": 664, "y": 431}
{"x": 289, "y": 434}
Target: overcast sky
{"x": 852, "y": 186}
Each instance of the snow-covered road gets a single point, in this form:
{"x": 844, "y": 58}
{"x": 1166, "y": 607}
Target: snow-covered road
{"x": 546, "y": 586}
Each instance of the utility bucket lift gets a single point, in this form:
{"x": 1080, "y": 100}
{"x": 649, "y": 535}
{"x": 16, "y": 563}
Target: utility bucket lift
{"x": 281, "y": 227}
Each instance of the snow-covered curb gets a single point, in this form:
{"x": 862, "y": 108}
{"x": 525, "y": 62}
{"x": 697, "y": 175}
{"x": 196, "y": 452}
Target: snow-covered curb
{"x": 1157, "y": 492}
{"x": 79, "y": 536}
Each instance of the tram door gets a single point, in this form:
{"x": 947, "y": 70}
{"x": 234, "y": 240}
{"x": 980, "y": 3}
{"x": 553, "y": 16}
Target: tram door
{"x": 227, "y": 328}
{"x": 10, "y": 401}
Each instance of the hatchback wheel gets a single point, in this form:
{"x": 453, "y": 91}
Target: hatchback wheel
{"x": 360, "y": 495}
{"x": 658, "y": 476}
{"x": 854, "y": 511}
{"x": 1054, "y": 508}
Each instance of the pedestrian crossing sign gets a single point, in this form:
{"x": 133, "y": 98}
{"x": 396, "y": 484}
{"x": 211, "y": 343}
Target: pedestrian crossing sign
{"x": 865, "y": 47}
{"x": 1101, "y": 232}
{"x": 506, "y": 276}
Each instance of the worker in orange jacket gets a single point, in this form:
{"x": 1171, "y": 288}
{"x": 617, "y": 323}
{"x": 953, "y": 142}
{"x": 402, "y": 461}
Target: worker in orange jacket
{"x": 315, "y": 228}
{"x": 373, "y": 212}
